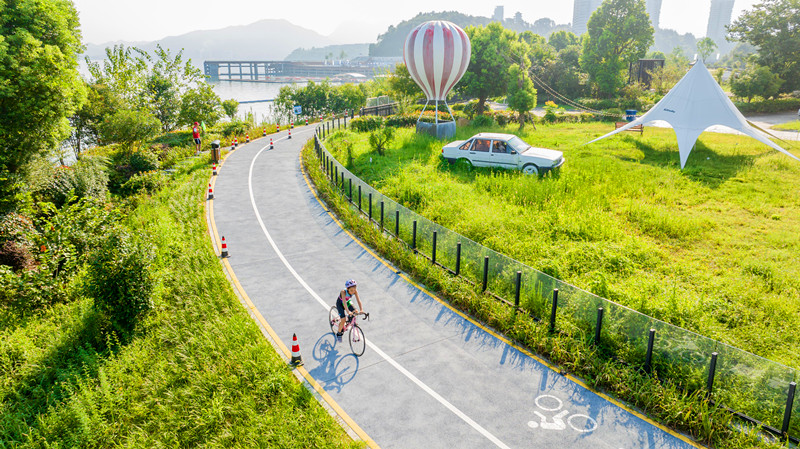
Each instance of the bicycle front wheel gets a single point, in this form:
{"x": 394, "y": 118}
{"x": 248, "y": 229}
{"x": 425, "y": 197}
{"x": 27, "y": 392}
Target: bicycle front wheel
{"x": 357, "y": 340}
{"x": 333, "y": 319}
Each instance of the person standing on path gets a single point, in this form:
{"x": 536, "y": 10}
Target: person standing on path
{"x": 196, "y": 137}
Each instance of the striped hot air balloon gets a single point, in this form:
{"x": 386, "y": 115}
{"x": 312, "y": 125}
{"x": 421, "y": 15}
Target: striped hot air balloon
{"x": 437, "y": 55}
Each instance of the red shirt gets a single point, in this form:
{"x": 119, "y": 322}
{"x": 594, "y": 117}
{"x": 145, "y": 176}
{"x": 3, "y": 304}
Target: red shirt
{"x": 195, "y": 132}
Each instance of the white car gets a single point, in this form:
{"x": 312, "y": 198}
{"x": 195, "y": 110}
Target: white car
{"x": 503, "y": 150}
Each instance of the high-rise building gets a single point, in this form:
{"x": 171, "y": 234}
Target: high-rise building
{"x": 720, "y": 16}
{"x": 654, "y": 11}
{"x": 718, "y": 19}
{"x": 498, "y": 14}
{"x": 581, "y": 12}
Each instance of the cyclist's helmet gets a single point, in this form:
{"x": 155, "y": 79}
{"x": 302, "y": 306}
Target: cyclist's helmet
{"x": 350, "y": 283}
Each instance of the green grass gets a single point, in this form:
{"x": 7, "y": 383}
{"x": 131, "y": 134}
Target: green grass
{"x": 789, "y": 126}
{"x": 712, "y": 248}
{"x": 198, "y": 372}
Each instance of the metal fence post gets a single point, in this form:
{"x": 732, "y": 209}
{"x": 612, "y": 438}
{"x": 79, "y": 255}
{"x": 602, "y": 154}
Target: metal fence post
{"x": 414, "y": 236}
{"x": 485, "y": 273}
{"x": 433, "y": 249}
{"x": 518, "y": 288}
{"x": 381, "y": 216}
{"x": 712, "y": 370}
{"x": 351, "y": 192}
{"x": 599, "y": 326}
{"x": 359, "y": 197}
{"x": 458, "y": 258}
{"x": 369, "y": 198}
{"x": 397, "y": 223}
{"x": 335, "y": 175}
{"x": 350, "y": 182}
{"x": 553, "y": 311}
{"x": 787, "y": 415}
{"x": 648, "y": 359}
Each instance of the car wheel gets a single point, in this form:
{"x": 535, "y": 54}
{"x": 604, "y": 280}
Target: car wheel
{"x": 530, "y": 169}
{"x": 463, "y": 163}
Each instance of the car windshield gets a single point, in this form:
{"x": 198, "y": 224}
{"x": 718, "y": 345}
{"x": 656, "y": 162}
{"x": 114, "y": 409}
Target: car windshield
{"x": 518, "y": 144}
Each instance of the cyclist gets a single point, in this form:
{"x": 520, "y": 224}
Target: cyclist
{"x": 345, "y": 298}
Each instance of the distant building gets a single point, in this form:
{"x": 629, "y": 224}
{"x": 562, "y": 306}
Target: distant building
{"x": 654, "y": 11}
{"x": 718, "y": 19}
{"x": 498, "y": 14}
{"x": 581, "y": 12}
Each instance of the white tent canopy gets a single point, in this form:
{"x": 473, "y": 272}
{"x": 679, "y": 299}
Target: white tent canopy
{"x": 693, "y": 105}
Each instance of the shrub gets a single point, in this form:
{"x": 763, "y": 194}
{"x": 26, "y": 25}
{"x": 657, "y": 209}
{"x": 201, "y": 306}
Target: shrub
{"x": 87, "y": 178}
{"x": 483, "y": 121}
{"x": 402, "y": 120}
{"x": 16, "y": 227}
{"x": 147, "y": 182}
{"x": 367, "y": 123}
{"x": 129, "y": 128}
{"x": 143, "y": 161}
{"x": 121, "y": 281}
{"x": 234, "y": 128}
{"x": 15, "y": 255}
{"x": 380, "y": 139}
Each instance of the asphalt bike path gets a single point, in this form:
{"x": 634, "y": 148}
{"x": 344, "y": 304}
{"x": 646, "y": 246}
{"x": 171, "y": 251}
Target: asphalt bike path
{"x": 429, "y": 377}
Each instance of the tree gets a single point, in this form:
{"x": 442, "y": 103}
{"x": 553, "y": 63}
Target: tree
{"x": 521, "y": 93}
{"x": 562, "y": 39}
{"x": 619, "y": 33}
{"x": 756, "y": 81}
{"x": 487, "y": 74}
{"x": 200, "y": 104}
{"x": 402, "y": 85}
{"x": 705, "y": 47}
{"x": 100, "y": 103}
{"x": 129, "y": 128}
{"x": 231, "y": 107}
{"x": 773, "y": 26}
{"x": 39, "y": 84}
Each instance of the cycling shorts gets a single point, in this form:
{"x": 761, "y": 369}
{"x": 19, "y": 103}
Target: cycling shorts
{"x": 340, "y": 307}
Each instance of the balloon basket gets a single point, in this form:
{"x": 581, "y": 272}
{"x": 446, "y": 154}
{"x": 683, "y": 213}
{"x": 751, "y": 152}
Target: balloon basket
{"x": 441, "y": 130}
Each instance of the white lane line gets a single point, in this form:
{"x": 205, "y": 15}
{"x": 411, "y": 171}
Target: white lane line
{"x": 385, "y": 356}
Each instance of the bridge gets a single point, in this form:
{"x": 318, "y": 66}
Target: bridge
{"x": 296, "y": 71}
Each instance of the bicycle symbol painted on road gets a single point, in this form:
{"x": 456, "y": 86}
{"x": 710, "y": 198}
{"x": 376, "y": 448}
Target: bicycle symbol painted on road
{"x": 561, "y": 420}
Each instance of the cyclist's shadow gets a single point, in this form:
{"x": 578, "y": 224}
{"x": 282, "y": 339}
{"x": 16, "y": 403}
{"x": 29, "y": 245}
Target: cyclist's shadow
{"x": 334, "y": 371}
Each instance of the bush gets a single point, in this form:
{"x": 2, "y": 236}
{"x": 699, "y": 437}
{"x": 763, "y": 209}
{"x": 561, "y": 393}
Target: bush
{"x": 121, "y": 281}
{"x": 147, "y": 182}
{"x": 235, "y": 128}
{"x": 143, "y": 161}
{"x": 15, "y": 255}
{"x": 87, "y": 178}
{"x": 402, "y": 120}
{"x": 483, "y": 121}
{"x": 129, "y": 128}
{"x": 380, "y": 139}
{"x": 367, "y": 123}
{"x": 768, "y": 106}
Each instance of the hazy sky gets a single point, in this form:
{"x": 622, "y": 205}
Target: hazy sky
{"x": 358, "y": 20}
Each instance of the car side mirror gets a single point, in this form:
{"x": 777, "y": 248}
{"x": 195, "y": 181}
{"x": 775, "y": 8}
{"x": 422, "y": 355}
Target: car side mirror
{"x": 513, "y": 152}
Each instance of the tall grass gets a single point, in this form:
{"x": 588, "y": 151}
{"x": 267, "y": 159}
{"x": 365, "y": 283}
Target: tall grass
{"x": 197, "y": 372}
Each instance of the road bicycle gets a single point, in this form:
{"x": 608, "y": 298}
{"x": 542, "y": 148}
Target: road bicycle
{"x": 354, "y": 333}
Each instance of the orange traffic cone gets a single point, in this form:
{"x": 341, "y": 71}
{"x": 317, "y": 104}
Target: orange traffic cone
{"x": 265, "y": 133}
{"x": 292, "y": 126}
{"x": 232, "y": 146}
{"x": 290, "y": 134}
{"x": 270, "y": 144}
{"x": 278, "y": 128}
{"x": 235, "y": 142}
{"x": 214, "y": 169}
{"x": 306, "y": 122}
{"x": 247, "y": 138}
{"x": 224, "y": 252}
{"x": 297, "y": 360}
{"x": 210, "y": 192}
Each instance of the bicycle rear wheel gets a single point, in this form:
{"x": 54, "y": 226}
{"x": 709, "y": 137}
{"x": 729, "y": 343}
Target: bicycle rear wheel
{"x": 333, "y": 319}
{"x": 357, "y": 340}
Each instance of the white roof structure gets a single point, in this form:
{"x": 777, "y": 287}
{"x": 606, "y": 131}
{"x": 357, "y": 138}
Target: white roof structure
{"x": 693, "y": 105}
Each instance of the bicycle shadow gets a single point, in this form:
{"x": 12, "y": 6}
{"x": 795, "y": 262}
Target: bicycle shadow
{"x": 334, "y": 370}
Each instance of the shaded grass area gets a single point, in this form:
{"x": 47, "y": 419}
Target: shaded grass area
{"x": 197, "y": 373}
{"x": 570, "y": 348}
{"x": 711, "y": 248}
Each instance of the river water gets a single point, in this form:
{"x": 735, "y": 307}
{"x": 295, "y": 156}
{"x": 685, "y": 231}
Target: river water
{"x": 246, "y": 92}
